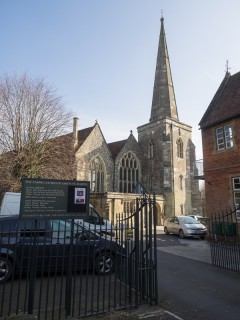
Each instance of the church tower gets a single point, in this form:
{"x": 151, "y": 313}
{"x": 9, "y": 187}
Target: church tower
{"x": 168, "y": 152}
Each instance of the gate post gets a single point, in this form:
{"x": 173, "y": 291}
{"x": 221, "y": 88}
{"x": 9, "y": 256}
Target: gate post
{"x": 151, "y": 262}
{"x": 155, "y": 246}
{"x": 68, "y": 297}
{"x": 136, "y": 240}
{"x": 32, "y": 271}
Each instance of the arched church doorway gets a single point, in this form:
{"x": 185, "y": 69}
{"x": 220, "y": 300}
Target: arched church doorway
{"x": 159, "y": 215}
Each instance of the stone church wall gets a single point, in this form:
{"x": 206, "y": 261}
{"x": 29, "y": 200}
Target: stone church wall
{"x": 95, "y": 145}
{"x": 182, "y": 168}
{"x": 171, "y": 175}
{"x": 152, "y": 168}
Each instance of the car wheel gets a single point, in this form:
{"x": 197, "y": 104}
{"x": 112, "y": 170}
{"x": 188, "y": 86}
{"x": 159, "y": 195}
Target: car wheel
{"x": 166, "y": 230}
{"x": 202, "y": 237}
{"x": 6, "y": 269}
{"x": 181, "y": 234}
{"x": 104, "y": 263}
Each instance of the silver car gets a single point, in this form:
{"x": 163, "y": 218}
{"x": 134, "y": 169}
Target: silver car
{"x": 185, "y": 227}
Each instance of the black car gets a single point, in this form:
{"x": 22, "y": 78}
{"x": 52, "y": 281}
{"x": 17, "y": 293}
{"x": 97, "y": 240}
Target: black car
{"x": 50, "y": 245}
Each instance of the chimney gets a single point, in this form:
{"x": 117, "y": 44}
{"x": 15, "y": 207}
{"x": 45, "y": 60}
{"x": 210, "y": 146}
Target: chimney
{"x": 75, "y": 132}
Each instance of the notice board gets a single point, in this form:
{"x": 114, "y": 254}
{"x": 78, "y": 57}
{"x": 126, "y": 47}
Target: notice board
{"x": 54, "y": 199}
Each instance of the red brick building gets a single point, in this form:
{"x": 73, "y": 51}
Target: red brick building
{"x": 220, "y": 127}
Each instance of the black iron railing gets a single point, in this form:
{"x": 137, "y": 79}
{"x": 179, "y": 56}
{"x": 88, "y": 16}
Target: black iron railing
{"x": 58, "y": 269}
{"x": 224, "y": 237}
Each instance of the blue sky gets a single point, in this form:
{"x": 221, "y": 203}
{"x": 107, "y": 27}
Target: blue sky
{"x": 100, "y": 55}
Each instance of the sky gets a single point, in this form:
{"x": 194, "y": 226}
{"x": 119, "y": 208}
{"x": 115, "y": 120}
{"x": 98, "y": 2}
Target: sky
{"x": 100, "y": 55}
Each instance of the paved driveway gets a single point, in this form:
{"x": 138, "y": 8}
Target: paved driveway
{"x": 192, "y": 248}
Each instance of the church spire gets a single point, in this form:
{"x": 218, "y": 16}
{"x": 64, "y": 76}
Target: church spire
{"x": 163, "y": 102}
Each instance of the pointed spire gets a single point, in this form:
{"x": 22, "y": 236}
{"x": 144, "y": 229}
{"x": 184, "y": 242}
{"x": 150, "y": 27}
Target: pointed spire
{"x": 163, "y": 102}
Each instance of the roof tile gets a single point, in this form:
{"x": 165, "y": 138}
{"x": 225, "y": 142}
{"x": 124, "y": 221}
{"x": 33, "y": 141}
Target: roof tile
{"x": 225, "y": 105}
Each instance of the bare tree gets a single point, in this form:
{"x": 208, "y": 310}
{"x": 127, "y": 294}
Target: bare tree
{"x": 33, "y": 139}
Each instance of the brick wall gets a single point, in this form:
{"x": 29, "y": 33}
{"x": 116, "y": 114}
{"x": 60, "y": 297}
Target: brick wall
{"x": 219, "y": 168}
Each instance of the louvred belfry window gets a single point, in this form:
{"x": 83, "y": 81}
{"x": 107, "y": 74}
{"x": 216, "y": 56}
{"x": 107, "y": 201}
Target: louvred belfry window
{"x": 180, "y": 148}
{"x": 128, "y": 173}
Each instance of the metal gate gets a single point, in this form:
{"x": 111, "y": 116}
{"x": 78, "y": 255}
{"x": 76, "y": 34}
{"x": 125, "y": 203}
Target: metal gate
{"x": 138, "y": 231}
{"x": 224, "y": 237}
{"x": 58, "y": 270}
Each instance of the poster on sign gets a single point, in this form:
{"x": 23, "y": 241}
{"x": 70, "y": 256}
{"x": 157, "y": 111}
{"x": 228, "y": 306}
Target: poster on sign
{"x": 80, "y": 196}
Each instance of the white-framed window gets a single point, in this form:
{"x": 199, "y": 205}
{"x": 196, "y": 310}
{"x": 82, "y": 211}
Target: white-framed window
{"x": 224, "y": 137}
{"x": 96, "y": 175}
{"x": 236, "y": 194}
{"x": 180, "y": 148}
{"x": 128, "y": 173}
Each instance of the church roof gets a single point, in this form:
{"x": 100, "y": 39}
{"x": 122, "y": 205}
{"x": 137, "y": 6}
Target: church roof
{"x": 225, "y": 104}
{"x": 163, "y": 101}
{"x": 116, "y": 147}
{"x": 83, "y": 134}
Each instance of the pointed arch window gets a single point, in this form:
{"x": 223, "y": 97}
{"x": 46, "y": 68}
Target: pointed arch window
{"x": 96, "y": 175}
{"x": 180, "y": 148}
{"x": 128, "y": 173}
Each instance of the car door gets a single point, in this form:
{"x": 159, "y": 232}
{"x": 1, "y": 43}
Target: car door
{"x": 85, "y": 249}
{"x": 170, "y": 224}
{"x": 33, "y": 244}
{"x": 175, "y": 225}
{"x": 80, "y": 249}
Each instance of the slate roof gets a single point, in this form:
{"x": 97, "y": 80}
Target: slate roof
{"x": 83, "y": 134}
{"x": 116, "y": 147}
{"x": 225, "y": 104}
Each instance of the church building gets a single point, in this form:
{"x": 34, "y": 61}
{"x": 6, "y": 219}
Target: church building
{"x": 161, "y": 161}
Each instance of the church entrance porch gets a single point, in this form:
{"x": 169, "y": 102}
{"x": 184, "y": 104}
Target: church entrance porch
{"x": 110, "y": 204}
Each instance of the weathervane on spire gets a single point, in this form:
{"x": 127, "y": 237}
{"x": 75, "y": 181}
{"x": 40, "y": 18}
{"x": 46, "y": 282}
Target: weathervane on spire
{"x": 162, "y": 15}
{"x": 227, "y": 66}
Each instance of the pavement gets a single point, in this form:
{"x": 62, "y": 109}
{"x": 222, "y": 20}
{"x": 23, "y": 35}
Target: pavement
{"x": 142, "y": 312}
{"x": 196, "y": 250}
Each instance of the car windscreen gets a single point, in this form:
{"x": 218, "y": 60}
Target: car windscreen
{"x": 188, "y": 220}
